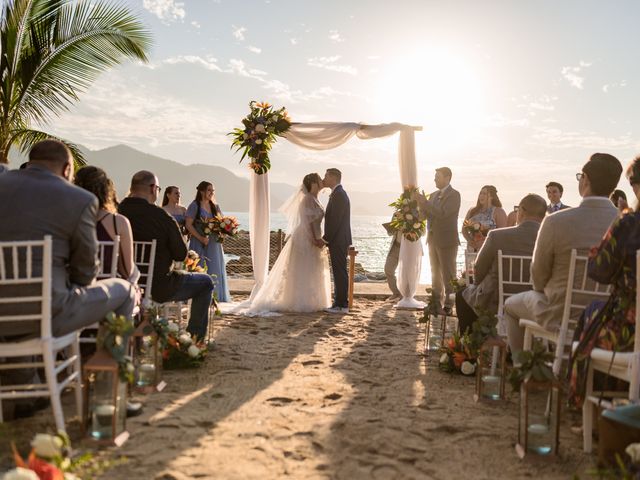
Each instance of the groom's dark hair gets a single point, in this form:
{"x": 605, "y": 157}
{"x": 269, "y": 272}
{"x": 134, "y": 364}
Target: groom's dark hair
{"x": 336, "y": 173}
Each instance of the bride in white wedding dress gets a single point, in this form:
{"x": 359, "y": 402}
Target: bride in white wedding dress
{"x": 299, "y": 280}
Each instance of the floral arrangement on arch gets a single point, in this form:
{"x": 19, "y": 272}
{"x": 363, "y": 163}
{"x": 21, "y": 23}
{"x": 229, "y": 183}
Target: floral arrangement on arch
{"x": 475, "y": 230}
{"x": 458, "y": 355}
{"x": 258, "y": 134}
{"x": 48, "y": 459}
{"x": 406, "y": 217}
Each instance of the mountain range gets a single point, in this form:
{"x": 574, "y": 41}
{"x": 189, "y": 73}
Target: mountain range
{"x": 232, "y": 192}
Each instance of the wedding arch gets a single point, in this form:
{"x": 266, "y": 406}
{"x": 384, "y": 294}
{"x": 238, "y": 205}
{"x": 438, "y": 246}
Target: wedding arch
{"x": 325, "y": 136}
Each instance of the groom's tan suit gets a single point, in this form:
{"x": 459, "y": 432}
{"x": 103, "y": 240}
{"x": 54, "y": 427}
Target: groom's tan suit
{"x": 581, "y": 228}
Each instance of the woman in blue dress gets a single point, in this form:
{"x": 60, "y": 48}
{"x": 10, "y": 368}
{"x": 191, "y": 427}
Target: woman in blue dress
{"x": 210, "y": 251}
{"x": 171, "y": 204}
{"x": 487, "y": 215}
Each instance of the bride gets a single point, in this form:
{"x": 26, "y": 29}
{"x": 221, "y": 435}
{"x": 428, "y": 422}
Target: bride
{"x": 299, "y": 280}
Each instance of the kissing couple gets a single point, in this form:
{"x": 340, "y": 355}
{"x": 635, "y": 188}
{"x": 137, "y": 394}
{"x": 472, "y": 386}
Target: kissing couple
{"x": 299, "y": 280}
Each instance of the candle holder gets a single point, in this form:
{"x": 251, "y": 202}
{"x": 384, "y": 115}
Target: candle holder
{"x": 491, "y": 370}
{"x": 539, "y": 418}
{"x": 105, "y": 400}
{"x": 147, "y": 357}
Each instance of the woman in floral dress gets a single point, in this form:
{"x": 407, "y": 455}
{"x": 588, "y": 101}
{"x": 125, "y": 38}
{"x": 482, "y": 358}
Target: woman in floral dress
{"x": 487, "y": 214}
{"x": 610, "y": 325}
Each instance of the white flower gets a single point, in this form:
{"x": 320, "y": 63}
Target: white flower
{"x": 408, "y": 216}
{"x": 173, "y": 327}
{"x": 193, "y": 351}
{"x": 245, "y": 136}
{"x": 467, "y": 368}
{"x": 416, "y": 225}
{"x": 444, "y": 358}
{"x": 633, "y": 450}
{"x": 20, "y": 474}
{"x": 259, "y": 128}
{"x": 258, "y": 141}
{"x": 405, "y": 201}
{"x": 47, "y": 446}
{"x": 185, "y": 339}
{"x": 130, "y": 368}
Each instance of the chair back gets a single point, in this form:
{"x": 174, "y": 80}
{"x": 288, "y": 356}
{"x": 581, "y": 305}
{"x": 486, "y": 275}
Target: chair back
{"x": 581, "y": 291}
{"x": 25, "y": 283}
{"x": 104, "y": 246}
{"x": 634, "y": 383}
{"x": 144, "y": 256}
{"x": 469, "y": 262}
{"x": 514, "y": 276}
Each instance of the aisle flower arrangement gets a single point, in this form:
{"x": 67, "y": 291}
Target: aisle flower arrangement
{"x": 406, "y": 217}
{"x": 114, "y": 338}
{"x": 180, "y": 349}
{"x": 192, "y": 263}
{"x": 260, "y": 130}
{"x": 458, "y": 355}
{"x": 48, "y": 459}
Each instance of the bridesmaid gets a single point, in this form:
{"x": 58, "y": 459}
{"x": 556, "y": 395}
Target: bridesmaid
{"x": 210, "y": 251}
{"x": 171, "y": 204}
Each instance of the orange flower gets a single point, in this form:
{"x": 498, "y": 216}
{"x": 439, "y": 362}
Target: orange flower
{"x": 263, "y": 105}
{"x": 451, "y": 344}
{"x": 44, "y": 470}
{"x": 458, "y": 359}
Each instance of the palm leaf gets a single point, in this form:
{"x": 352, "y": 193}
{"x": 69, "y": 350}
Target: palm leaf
{"x": 26, "y": 138}
{"x": 69, "y": 48}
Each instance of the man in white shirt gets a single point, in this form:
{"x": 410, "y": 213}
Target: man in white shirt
{"x": 581, "y": 228}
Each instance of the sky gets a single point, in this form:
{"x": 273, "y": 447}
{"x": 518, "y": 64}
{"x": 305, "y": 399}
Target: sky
{"x": 509, "y": 93}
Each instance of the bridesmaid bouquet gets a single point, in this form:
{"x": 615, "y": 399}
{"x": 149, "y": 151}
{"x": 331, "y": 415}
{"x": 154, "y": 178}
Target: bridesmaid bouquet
{"x": 475, "y": 230}
{"x": 259, "y": 132}
{"x": 219, "y": 227}
{"x": 406, "y": 218}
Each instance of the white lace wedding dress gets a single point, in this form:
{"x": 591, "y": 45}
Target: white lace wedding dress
{"x": 299, "y": 280}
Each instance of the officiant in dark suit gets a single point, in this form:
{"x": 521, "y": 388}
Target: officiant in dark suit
{"x": 441, "y": 210}
{"x": 337, "y": 234}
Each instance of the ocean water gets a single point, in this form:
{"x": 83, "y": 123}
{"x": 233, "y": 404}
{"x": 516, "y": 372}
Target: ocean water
{"x": 369, "y": 238}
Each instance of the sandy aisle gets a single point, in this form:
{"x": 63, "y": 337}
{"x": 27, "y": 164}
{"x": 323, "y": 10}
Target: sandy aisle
{"x": 321, "y": 396}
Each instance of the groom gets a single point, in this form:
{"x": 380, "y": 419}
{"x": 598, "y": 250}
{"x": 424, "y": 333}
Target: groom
{"x": 337, "y": 235}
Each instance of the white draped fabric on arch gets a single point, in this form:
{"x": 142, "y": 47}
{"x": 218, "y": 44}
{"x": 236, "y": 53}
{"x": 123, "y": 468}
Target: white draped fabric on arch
{"x": 325, "y": 136}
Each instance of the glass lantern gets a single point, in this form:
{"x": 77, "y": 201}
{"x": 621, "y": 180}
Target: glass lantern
{"x": 147, "y": 358}
{"x": 491, "y": 370}
{"x": 105, "y": 396}
{"x": 539, "y": 418}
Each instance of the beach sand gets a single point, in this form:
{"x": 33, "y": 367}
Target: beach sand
{"x": 327, "y": 396}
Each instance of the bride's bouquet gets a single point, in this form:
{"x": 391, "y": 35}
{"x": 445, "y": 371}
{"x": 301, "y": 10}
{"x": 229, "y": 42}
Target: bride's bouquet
{"x": 259, "y": 131}
{"x": 219, "y": 227}
{"x": 406, "y": 218}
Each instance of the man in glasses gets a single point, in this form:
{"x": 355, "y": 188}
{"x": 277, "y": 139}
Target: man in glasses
{"x": 150, "y": 222}
{"x": 580, "y": 228}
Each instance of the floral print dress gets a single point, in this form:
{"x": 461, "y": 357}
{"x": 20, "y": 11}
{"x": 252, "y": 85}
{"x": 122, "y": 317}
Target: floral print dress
{"x": 608, "y": 325}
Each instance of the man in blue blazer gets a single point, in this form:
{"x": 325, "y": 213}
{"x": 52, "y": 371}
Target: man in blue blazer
{"x": 337, "y": 234}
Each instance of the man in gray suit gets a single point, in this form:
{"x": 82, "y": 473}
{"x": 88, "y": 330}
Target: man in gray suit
{"x": 441, "y": 210}
{"x": 68, "y": 214}
{"x": 581, "y": 228}
{"x": 518, "y": 240}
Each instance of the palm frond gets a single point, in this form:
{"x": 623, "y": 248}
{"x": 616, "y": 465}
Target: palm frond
{"x": 70, "y": 48}
{"x": 26, "y": 138}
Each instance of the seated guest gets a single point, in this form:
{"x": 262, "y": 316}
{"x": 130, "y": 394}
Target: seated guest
{"x": 610, "y": 325}
{"x": 171, "y": 203}
{"x": 110, "y": 223}
{"x": 554, "y": 194}
{"x": 150, "y": 222}
{"x": 483, "y": 293}
{"x": 580, "y": 228}
{"x": 512, "y": 218}
{"x": 68, "y": 214}
{"x": 619, "y": 199}
{"x": 488, "y": 214}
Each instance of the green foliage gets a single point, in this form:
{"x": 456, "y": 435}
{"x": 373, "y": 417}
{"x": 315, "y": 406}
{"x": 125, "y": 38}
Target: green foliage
{"x": 113, "y": 336}
{"x": 534, "y": 363}
{"x": 482, "y": 329}
{"x": 52, "y": 50}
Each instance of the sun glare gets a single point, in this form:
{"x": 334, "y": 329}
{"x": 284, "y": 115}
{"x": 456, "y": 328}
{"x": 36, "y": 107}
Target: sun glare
{"x": 437, "y": 90}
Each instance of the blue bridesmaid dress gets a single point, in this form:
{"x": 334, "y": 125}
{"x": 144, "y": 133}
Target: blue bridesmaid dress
{"x": 212, "y": 255}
